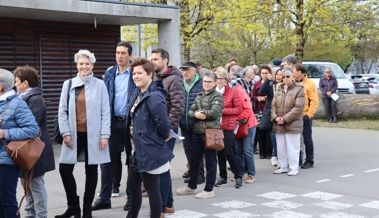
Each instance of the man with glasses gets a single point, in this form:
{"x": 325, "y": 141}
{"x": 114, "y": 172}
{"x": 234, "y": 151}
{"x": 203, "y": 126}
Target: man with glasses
{"x": 192, "y": 83}
{"x": 328, "y": 86}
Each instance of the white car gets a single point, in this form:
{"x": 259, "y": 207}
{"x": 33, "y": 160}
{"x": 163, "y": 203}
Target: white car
{"x": 373, "y": 80}
{"x": 315, "y": 71}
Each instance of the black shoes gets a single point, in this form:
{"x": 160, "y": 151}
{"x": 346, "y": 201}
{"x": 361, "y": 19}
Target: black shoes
{"x": 115, "y": 192}
{"x": 238, "y": 183}
{"x": 71, "y": 211}
{"x": 100, "y": 205}
{"x": 127, "y": 205}
{"x": 221, "y": 182}
{"x": 306, "y": 165}
{"x": 186, "y": 175}
{"x": 200, "y": 180}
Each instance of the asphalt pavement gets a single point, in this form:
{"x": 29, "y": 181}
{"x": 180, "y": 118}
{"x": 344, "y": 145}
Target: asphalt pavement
{"x": 343, "y": 183}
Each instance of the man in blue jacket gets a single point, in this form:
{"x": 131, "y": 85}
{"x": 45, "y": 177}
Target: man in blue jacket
{"x": 119, "y": 82}
{"x": 193, "y": 84}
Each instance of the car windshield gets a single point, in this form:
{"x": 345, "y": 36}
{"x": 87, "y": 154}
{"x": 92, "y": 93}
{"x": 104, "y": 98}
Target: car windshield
{"x": 317, "y": 70}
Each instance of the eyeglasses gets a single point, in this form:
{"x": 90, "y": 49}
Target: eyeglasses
{"x": 327, "y": 71}
{"x": 220, "y": 78}
{"x": 287, "y": 76}
{"x": 207, "y": 82}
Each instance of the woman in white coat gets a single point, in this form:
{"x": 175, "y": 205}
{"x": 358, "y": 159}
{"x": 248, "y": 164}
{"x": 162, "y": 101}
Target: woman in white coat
{"x": 84, "y": 122}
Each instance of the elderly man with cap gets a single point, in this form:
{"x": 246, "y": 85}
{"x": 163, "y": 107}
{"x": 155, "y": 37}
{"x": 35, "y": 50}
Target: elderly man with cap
{"x": 192, "y": 83}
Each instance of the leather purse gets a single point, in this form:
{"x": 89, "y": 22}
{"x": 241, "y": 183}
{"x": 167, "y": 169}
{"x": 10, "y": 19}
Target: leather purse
{"x": 214, "y": 138}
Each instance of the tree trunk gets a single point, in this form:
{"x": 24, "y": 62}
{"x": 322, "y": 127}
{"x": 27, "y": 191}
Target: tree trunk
{"x": 300, "y": 31}
{"x": 352, "y": 105}
{"x": 187, "y": 53}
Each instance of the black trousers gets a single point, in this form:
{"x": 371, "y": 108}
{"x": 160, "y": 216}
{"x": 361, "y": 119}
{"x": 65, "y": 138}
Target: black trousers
{"x": 229, "y": 153}
{"x": 68, "y": 179}
{"x": 151, "y": 184}
{"x": 265, "y": 146}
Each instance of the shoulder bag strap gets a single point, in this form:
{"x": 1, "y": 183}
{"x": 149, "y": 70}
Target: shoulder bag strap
{"x": 2, "y": 117}
{"x": 68, "y": 93}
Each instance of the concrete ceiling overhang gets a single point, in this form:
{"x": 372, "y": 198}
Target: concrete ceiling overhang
{"x": 106, "y": 12}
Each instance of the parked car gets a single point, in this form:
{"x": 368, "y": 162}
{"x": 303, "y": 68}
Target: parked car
{"x": 374, "y": 85}
{"x": 362, "y": 86}
{"x": 315, "y": 71}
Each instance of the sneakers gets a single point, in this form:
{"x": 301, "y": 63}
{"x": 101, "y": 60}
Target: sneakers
{"x": 221, "y": 182}
{"x": 281, "y": 170}
{"x": 274, "y": 161}
{"x": 293, "y": 173}
{"x": 238, "y": 183}
{"x": 250, "y": 179}
{"x": 115, "y": 192}
{"x": 185, "y": 191}
{"x": 169, "y": 210}
{"x": 205, "y": 194}
{"x": 306, "y": 165}
{"x": 335, "y": 120}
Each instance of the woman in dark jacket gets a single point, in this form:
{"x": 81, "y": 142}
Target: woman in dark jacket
{"x": 268, "y": 89}
{"x": 232, "y": 108}
{"x": 328, "y": 85}
{"x": 27, "y": 87}
{"x": 208, "y": 108}
{"x": 149, "y": 129}
{"x": 17, "y": 123}
{"x": 265, "y": 146}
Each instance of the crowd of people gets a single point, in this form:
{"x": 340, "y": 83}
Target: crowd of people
{"x": 140, "y": 106}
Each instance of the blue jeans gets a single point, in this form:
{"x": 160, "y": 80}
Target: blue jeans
{"x": 273, "y": 142}
{"x": 8, "y": 186}
{"x": 197, "y": 152}
{"x": 244, "y": 151}
{"x": 165, "y": 184}
{"x": 118, "y": 138}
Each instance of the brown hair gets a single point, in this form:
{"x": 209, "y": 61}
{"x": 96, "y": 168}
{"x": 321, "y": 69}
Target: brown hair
{"x": 27, "y": 73}
{"x": 300, "y": 67}
{"x": 146, "y": 64}
{"x": 265, "y": 67}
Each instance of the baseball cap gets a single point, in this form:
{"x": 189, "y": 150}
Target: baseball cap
{"x": 188, "y": 65}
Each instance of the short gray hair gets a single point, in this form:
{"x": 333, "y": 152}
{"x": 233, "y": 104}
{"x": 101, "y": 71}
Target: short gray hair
{"x": 210, "y": 75}
{"x": 86, "y": 54}
{"x": 222, "y": 72}
{"x": 246, "y": 70}
{"x": 289, "y": 59}
{"x": 6, "y": 80}
{"x": 287, "y": 70}
{"x": 236, "y": 70}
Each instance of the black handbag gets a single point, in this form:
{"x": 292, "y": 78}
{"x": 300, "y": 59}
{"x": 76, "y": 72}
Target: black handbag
{"x": 265, "y": 122}
{"x": 258, "y": 114}
{"x": 57, "y": 133}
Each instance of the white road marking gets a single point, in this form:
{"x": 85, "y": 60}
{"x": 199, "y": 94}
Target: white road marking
{"x": 288, "y": 214}
{"x": 285, "y": 205}
{"x": 322, "y": 195}
{"x": 370, "y": 171}
{"x": 277, "y": 195}
{"x": 185, "y": 214}
{"x": 236, "y": 214}
{"x": 347, "y": 175}
{"x": 372, "y": 204}
{"x": 233, "y": 204}
{"x": 323, "y": 180}
{"x": 340, "y": 215}
{"x": 333, "y": 205}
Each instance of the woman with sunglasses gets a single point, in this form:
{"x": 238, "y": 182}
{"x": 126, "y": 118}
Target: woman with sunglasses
{"x": 286, "y": 114}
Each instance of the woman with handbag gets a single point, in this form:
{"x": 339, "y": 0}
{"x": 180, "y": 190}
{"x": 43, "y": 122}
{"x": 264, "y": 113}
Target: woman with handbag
{"x": 17, "y": 123}
{"x": 232, "y": 108}
{"x": 286, "y": 114}
{"x": 84, "y": 123}
{"x": 206, "y": 111}
{"x": 244, "y": 142}
{"x": 27, "y": 82}
{"x": 149, "y": 131}
{"x": 268, "y": 88}
{"x": 264, "y": 140}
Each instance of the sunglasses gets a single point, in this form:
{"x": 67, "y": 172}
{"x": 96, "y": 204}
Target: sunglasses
{"x": 287, "y": 76}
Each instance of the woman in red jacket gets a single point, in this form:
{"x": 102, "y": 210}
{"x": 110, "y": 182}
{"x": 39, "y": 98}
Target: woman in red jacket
{"x": 232, "y": 108}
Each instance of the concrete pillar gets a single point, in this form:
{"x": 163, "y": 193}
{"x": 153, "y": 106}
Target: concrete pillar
{"x": 169, "y": 39}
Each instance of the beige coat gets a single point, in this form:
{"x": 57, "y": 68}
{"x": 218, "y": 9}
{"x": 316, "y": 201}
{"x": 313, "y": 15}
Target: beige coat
{"x": 290, "y": 106}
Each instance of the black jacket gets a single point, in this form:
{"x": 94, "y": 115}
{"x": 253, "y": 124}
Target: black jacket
{"x": 37, "y": 106}
{"x": 267, "y": 88}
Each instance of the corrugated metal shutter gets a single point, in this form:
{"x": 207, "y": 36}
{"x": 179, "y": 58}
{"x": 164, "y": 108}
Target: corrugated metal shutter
{"x": 50, "y": 48}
